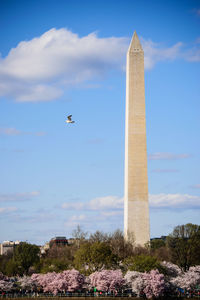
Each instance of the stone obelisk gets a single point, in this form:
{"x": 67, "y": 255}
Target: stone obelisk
{"x": 136, "y": 206}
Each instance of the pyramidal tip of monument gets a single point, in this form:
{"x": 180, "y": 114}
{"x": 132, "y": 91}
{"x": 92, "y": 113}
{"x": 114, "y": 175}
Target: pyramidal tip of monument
{"x": 135, "y": 43}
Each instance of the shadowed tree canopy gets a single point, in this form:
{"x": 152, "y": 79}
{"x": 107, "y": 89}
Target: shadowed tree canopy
{"x": 57, "y": 258}
{"x": 95, "y": 256}
{"x": 25, "y": 255}
{"x": 184, "y": 245}
{"x": 119, "y": 246}
{"x": 157, "y": 243}
{"x": 143, "y": 263}
{"x": 4, "y": 259}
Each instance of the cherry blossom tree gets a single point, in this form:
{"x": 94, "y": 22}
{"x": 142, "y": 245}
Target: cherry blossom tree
{"x": 107, "y": 280}
{"x": 151, "y": 284}
{"x": 172, "y": 270}
{"x": 70, "y": 280}
{"x": 187, "y": 280}
{"x": 27, "y": 282}
{"x": 154, "y": 284}
{"x": 74, "y": 279}
{"x": 47, "y": 281}
{"x": 5, "y": 283}
{"x": 3, "y": 277}
{"x": 135, "y": 281}
{"x": 195, "y": 269}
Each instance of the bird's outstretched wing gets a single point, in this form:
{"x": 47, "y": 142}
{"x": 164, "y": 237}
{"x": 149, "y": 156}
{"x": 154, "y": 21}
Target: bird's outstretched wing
{"x": 69, "y": 117}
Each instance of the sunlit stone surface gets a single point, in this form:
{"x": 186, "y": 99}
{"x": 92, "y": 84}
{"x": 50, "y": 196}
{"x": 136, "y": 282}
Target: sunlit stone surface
{"x": 136, "y": 207}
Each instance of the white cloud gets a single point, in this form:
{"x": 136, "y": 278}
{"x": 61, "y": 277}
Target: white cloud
{"x": 73, "y": 205}
{"x": 167, "y": 156}
{"x": 76, "y": 220}
{"x": 39, "y": 69}
{"x": 107, "y": 217}
{"x": 111, "y": 213}
{"x": 18, "y": 196}
{"x": 193, "y": 55}
{"x": 13, "y": 132}
{"x": 7, "y": 209}
{"x": 183, "y": 201}
{"x": 100, "y": 203}
{"x": 113, "y": 205}
{"x": 103, "y": 203}
{"x": 155, "y": 53}
{"x": 42, "y": 68}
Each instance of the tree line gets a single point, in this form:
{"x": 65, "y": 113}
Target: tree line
{"x": 107, "y": 251}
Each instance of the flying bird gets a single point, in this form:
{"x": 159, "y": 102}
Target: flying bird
{"x": 69, "y": 119}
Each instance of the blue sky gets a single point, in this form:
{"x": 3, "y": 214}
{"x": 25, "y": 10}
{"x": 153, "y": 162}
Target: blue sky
{"x": 68, "y": 57}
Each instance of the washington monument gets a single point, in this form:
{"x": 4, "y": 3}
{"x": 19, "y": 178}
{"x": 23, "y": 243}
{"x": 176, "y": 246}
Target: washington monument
{"x": 136, "y": 206}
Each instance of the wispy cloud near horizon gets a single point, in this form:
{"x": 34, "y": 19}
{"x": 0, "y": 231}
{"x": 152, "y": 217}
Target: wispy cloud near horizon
{"x": 111, "y": 204}
{"x": 173, "y": 201}
{"x": 108, "y": 210}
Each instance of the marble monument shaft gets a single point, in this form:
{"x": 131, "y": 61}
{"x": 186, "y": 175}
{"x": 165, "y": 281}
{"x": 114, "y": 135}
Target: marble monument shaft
{"x": 136, "y": 207}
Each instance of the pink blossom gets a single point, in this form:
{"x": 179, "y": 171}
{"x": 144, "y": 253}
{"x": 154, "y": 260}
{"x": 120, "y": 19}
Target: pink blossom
{"x": 187, "y": 280}
{"x": 6, "y": 285}
{"x": 154, "y": 284}
{"x": 195, "y": 269}
{"x": 3, "y": 277}
{"x": 172, "y": 269}
{"x": 107, "y": 280}
{"x": 151, "y": 284}
{"x": 70, "y": 280}
{"x": 26, "y": 282}
{"x": 135, "y": 281}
